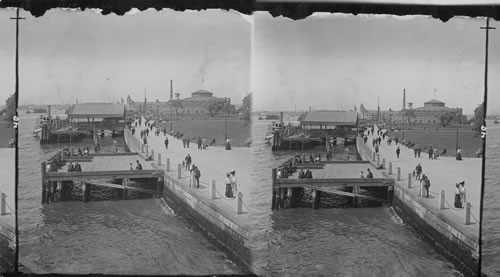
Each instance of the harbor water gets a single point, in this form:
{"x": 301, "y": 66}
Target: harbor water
{"x": 140, "y": 236}
{"x": 491, "y": 205}
{"x": 370, "y": 241}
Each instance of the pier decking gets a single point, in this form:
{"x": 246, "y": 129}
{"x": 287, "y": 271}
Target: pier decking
{"x": 329, "y": 177}
{"x": 95, "y": 169}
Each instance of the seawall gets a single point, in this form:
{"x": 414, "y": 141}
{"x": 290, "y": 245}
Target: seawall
{"x": 222, "y": 228}
{"x": 447, "y": 236}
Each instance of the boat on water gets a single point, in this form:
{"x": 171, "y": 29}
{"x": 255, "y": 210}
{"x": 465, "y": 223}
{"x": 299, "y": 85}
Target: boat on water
{"x": 496, "y": 121}
{"x": 42, "y": 120}
{"x": 273, "y": 127}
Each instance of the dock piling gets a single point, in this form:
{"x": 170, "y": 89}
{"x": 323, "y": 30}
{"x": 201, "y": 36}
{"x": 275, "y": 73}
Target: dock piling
{"x": 168, "y": 164}
{"x": 179, "y": 171}
{"x": 3, "y": 204}
{"x": 282, "y": 198}
{"x": 467, "y": 213}
{"x": 409, "y": 180}
{"x": 274, "y": 200}
{"x": 441, "y": 200}
{"x": 390, "y": 168}
{"x": 159, "y": 159}
{"x": 315, "y": 199}
{"x": 399, "y": 174}
{"x": 84, "y": 192}
{"x": 213, "y": 190}
{"x": 355, "y": 198}
{"x": 290, "y": 197}
{"x": 239, "y": 204}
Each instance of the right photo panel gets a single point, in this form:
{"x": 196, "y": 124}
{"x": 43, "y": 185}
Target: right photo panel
{"x": 367, "y": 144}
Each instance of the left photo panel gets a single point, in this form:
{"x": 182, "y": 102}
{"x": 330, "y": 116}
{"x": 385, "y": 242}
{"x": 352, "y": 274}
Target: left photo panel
{"x": 131, "y": 128}
{"x": 8, "y": 123}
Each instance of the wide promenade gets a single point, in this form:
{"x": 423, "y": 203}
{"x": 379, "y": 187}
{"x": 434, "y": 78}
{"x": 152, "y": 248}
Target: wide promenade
{"x": 214, "y": 163}
{"x": 443, "y": 173}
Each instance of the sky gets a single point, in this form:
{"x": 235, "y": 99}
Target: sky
{"x": 338, "y": 61}
{"x": 68, "y": 55}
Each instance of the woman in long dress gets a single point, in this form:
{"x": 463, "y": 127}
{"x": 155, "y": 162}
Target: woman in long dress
{"x": 463, "y": 193}
{"x": 458, "y": 200}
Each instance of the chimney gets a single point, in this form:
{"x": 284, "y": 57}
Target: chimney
{"x": 171, "y": 91}
{"x": 404, "y": 99}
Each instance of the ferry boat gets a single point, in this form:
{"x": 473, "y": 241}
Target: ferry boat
{"x": 274, "y": 126}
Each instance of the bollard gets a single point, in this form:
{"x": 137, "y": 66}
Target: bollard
{"x": 159, "y": 159}
{"x": 239, "y": 204}
{"x": 212, "y": 190}
{"x": 441, "y": 200}
{"x": 399, "y": 174}
{"x": 421, "y": 192}
{"x": 390, "y": 168}
{"x": 409, "y": 180}
{"x": 191, "y": 179}
{"x": 467, "y": 213}
{"x": 168, "y": 164}
{"x": 383, "y": 163}
{"x": 2, "y": 204}
{"x": 179, "y": 172}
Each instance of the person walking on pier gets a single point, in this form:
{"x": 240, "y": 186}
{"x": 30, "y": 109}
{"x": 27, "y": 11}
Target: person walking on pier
{"x": 398, "y": 151}
{"x": 462, "y": 193}
{"x": 418, "y": 171}
{"x": 166, "y": 143}
{"x": 228, "y": 144}
{"x": 376, "y": 148}
{"x": 396, "y": 139}
{"x": 188, "y": 161}
{"x": 196, "y": 174}
{"x": 138, "y": 166}
{"x": 199, "y": 143}
{"x": 458, "y": 200}
{"x": 427, "y": 184}
{"x": 229, "y": 190}
{"x": 459, "y": 154}
{"x": 234, "y": 183}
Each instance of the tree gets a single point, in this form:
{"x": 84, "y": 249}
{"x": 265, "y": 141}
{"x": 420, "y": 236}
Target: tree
{"x": 246, "y": 108}
{"x": 214, "y": 108}
{"x": 447, "y": 117}
{"x": 10, "y": 108}
{"x": 478, "y": 119}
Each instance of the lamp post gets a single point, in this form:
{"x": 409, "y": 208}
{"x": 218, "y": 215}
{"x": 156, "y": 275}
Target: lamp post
{"x": 456, "y": 149}
{"x": 225, "y": 120}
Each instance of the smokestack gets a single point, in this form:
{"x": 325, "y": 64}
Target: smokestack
{"x": 171, "y": 91}
{"x": 404, "y": 99}
{"x": 49, "y": 111}
{"x": 281, "y": 117}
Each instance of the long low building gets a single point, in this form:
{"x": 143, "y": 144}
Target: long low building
{"x": 104, "y": 116}
{"x": 332, "y": 123}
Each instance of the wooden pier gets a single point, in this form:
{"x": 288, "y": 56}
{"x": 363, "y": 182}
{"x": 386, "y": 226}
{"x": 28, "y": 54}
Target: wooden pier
{"x": 98, "y": 170}
{"x": 287, "y": 191}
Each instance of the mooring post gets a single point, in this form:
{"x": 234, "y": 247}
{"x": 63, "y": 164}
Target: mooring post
{"x": 213, "y": 190}
{"x": 390, "y": 168}
{"x": 159, "y": 159}
{"x": 191, "y": 179}
{"x": 422, "y": 191}
{"x": 159, "y": 186}
{"x": 58, "y": 191}
{"x": 168, "y": 164}
{"x": 44, "y": 166}
{"x": 84, "y": 192}
{"x": 441, "y": 200}
{"x": 314, "y": 199}
{"x": 355, "y": 197}
{"x": 399, "y": 174}
{"x": 467, "y": 213}
{"x": 3, "y": 204}
{"x": 179, "y": 172}
{"x": 282, "y": 197}
{"x": 274, "y": 200}
{"x": 239, "y": 205}
{"x": 409, "y": 180}
{"x": 124, "y": 190}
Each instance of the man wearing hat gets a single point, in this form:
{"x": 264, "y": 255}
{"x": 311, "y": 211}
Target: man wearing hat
{"x": 234, "y": 183}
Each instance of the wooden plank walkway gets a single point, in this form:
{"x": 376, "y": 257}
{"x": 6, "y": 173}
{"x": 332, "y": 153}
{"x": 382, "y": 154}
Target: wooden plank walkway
{"x": 96, "y": 175}
{"x": 334, "y": 182}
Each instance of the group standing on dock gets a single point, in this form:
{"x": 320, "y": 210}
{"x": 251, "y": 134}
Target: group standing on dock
{"x": 231, "y": 184}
